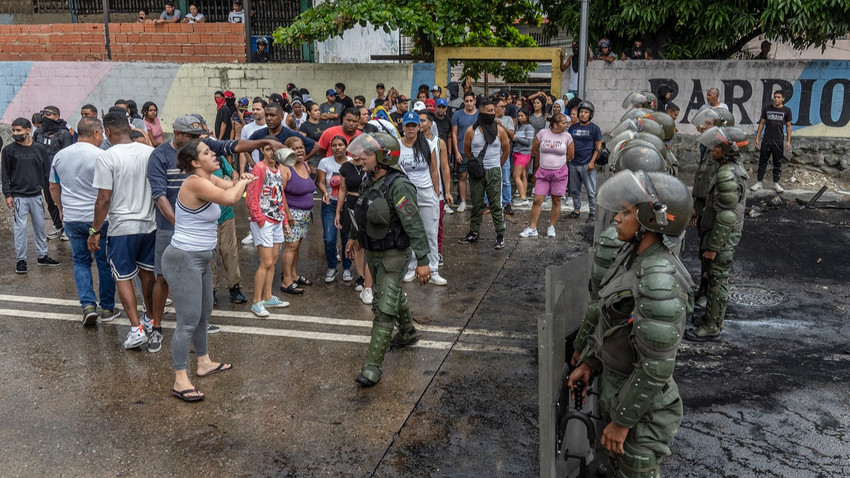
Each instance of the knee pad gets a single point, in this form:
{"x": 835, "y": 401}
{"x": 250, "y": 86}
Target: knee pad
{"x": 392, "y": 296}
{"x": 637, "y": 462}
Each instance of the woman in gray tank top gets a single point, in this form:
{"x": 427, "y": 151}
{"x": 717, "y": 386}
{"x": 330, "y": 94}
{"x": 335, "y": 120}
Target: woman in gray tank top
{"x": 186, "y": 261}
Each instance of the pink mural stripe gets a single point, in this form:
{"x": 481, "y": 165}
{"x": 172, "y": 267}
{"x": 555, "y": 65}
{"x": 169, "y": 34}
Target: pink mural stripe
{"x": 62, "y": 84}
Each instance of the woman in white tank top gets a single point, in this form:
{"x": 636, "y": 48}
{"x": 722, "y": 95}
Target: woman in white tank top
{"x": 186, "y": 261}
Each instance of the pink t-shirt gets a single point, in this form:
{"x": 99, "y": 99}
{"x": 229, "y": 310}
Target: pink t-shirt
{"x": 553, "y": 148}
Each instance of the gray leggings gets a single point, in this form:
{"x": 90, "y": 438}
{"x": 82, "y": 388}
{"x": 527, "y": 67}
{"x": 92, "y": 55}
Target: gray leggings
{"x": 190, "y": 279}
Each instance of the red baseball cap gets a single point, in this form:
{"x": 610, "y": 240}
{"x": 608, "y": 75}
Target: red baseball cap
{"x": 430, "y": 104}
{"x": 229, "y": 94}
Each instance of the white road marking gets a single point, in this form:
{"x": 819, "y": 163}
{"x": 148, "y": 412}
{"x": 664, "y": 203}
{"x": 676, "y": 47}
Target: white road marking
{"x": 299, "y": 334}
{"x": 367, "y": 324}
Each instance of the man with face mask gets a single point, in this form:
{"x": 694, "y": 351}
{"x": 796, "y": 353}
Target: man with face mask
{"x": 26, "y": 165}
{"x": 54, "y": 136}
{"x": 387, "y": 225}
{"x": 487, "y": 147}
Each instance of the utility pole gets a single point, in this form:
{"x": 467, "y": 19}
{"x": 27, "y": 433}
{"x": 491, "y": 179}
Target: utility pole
{"x": 106, "y": 29}
{"x": 582, "y": 45}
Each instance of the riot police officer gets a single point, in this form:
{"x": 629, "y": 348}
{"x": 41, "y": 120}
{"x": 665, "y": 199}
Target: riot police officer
{"x": 705, "y": 120}
{"x": 720, "y": 226}
{"x": 387, "y": 225}
{"x": 642, "y": 308}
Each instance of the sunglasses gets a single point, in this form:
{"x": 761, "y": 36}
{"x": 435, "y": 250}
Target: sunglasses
{"x": 48, "y": 113}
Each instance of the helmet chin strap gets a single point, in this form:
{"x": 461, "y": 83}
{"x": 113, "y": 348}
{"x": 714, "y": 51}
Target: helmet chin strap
{"x": 635, "y": 242}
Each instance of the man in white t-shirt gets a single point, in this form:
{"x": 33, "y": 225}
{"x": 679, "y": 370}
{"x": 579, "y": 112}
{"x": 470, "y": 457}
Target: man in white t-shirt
{"x": 125, "y": 194}
{"x": 71, "y": 177}
{"x": 237, "y": 15}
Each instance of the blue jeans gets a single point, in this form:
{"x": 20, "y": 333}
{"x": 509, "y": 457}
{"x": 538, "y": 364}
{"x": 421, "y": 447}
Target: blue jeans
{"x": 330, "y": 233}
{"x": 579, "y": 175}
{"x": 506, "y": 182}
{"x": 78, "y": 234}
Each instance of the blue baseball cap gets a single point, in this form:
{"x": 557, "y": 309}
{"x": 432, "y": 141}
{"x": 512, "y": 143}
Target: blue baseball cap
{"x": 410, "y": 118}
{"x": 331, "y": 92}
{"x": 442, "y": 102}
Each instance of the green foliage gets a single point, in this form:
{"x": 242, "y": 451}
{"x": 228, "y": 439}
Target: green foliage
{"x": 692, "y": 29}
{"x": 430, "y": 23}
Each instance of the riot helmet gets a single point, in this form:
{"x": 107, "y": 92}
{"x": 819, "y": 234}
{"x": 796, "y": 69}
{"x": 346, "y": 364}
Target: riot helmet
{"x": 639, "y": 125}
{"x": 663, "y": 202}
{"x": 713, "y": 117}
{"x": 732, "y": 138}
{"x": 384, "y": 146}
{"x": 636, "y": 99}
{"x": 626, "y": 137}
{"x": 638, "y": 155}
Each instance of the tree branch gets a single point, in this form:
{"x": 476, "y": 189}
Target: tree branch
{"x": 725, "y": 54}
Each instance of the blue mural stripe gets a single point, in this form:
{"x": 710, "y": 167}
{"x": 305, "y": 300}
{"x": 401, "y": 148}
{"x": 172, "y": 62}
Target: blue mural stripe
{"x": 13, "y": 74}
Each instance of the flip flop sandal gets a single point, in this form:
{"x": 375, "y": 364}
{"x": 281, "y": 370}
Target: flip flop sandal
{"x": 182, "y": 395}
{"x": 304, "y": 281}
{"x": 292, "y": 289}
{"x": 222, "y": 367}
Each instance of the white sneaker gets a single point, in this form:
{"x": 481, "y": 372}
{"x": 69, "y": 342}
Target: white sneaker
{"x": 436, "y": 279}
{"x": 462, "y": 207}
{"x": 447, "y": 209}
{"x": 330, "y": 275}
{"x": 411, "y": 274}
{"x": 259, "y": 309}
{"x": 528, "y": 232}
{"x": 147, "y": 323}
{"x": 249, "y": 239}
{"x": 779, "y": 189}
{"x": 567, "y": 203}
{"x": 346, "y": 275}
{"x": 135, "y": 338}
{"x": 756, "y": 186}
{"x": 366, "y": 296}
{"x": 550, "y": 231}
{"x": 168, "y": 301}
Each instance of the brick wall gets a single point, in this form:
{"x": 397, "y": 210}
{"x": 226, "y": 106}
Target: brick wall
{"x": 179, "y": 43}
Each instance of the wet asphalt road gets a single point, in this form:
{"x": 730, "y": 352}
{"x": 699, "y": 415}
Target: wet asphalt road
{"x": 772, "y": 400}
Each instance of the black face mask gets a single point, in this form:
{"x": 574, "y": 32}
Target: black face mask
{"x": 20, "y": 138}
{"x": 486, "y": 118}
{"x": 46, "y": 123}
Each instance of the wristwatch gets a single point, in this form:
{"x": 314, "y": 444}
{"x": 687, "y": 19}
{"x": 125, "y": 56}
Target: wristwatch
{"x": 93, "y": 232}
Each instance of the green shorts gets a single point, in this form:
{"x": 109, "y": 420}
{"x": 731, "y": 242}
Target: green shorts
{"x": 461, "y": 164}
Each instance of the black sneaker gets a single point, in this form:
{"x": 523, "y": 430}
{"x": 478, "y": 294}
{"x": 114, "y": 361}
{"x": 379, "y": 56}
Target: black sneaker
{"x": 470, "y": 237}
{"x": 236, "y": 295}
{"x": 213, "y": 329}
{"x": 591, "y": 218}
{"x": 21, "y": 267}
{"x": 509, "y": 210}
{"x": 500, "y": 242}
{"x": 48, "y": 262}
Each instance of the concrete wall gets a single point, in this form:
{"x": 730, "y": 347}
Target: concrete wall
{"x": 819, "y": 90}
{"x": 192, "y": 43}
{"x": 26, "y": 87}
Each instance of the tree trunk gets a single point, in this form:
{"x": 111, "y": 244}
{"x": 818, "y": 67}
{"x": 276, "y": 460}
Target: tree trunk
{"x": 725, "y": 54}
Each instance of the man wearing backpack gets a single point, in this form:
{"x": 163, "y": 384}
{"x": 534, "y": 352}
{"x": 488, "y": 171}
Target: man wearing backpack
{"x": 486, "y": 147}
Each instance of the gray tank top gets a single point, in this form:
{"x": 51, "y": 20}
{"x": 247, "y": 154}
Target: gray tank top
{"x": 493, "y": 156}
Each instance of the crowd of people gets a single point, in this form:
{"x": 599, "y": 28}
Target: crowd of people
{"x": 156, "y": 214}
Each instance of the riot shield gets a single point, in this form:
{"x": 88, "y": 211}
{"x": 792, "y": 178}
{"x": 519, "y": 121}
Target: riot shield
{"x": 567, "y": 441}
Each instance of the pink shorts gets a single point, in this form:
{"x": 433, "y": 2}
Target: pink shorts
{"x": 521, "y": 160}
{"x": 551, "y": 181}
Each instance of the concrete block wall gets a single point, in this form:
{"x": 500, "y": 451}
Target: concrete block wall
{"x": 817, "y": 91}
{"x": 26, "y": 87}
{"x": 190, "y": 42}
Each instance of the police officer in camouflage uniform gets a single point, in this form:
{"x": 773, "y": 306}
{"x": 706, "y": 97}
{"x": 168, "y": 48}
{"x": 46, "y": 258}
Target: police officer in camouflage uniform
{"x": 704, "y": 120}
{"x": 386, "y": 223}
{"x": 643, "y": 299}
{"x": 721, "y": 225}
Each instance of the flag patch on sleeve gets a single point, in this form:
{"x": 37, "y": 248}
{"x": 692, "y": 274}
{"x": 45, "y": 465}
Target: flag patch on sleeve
{"x": 401, "y": 202}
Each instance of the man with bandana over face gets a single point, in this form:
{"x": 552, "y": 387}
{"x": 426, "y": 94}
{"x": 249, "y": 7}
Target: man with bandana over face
{"x": 486, "y": 146}
{"x": 54, "y": 136}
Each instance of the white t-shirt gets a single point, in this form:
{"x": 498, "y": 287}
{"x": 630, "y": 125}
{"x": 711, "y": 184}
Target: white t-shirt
{"x": 435, "y": 147}
{"x": 236, "y": 17}
{"x": 418, "y": 169}
{"x": 194, "y": 18}
{"x": 332, "y": 177}
{"x": 73, "y": 169}
{"x": 123, "y": 168}
{"x": 246, "y": 133}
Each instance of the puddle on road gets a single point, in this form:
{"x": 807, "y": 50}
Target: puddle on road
{"x": 754, "y": 296}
